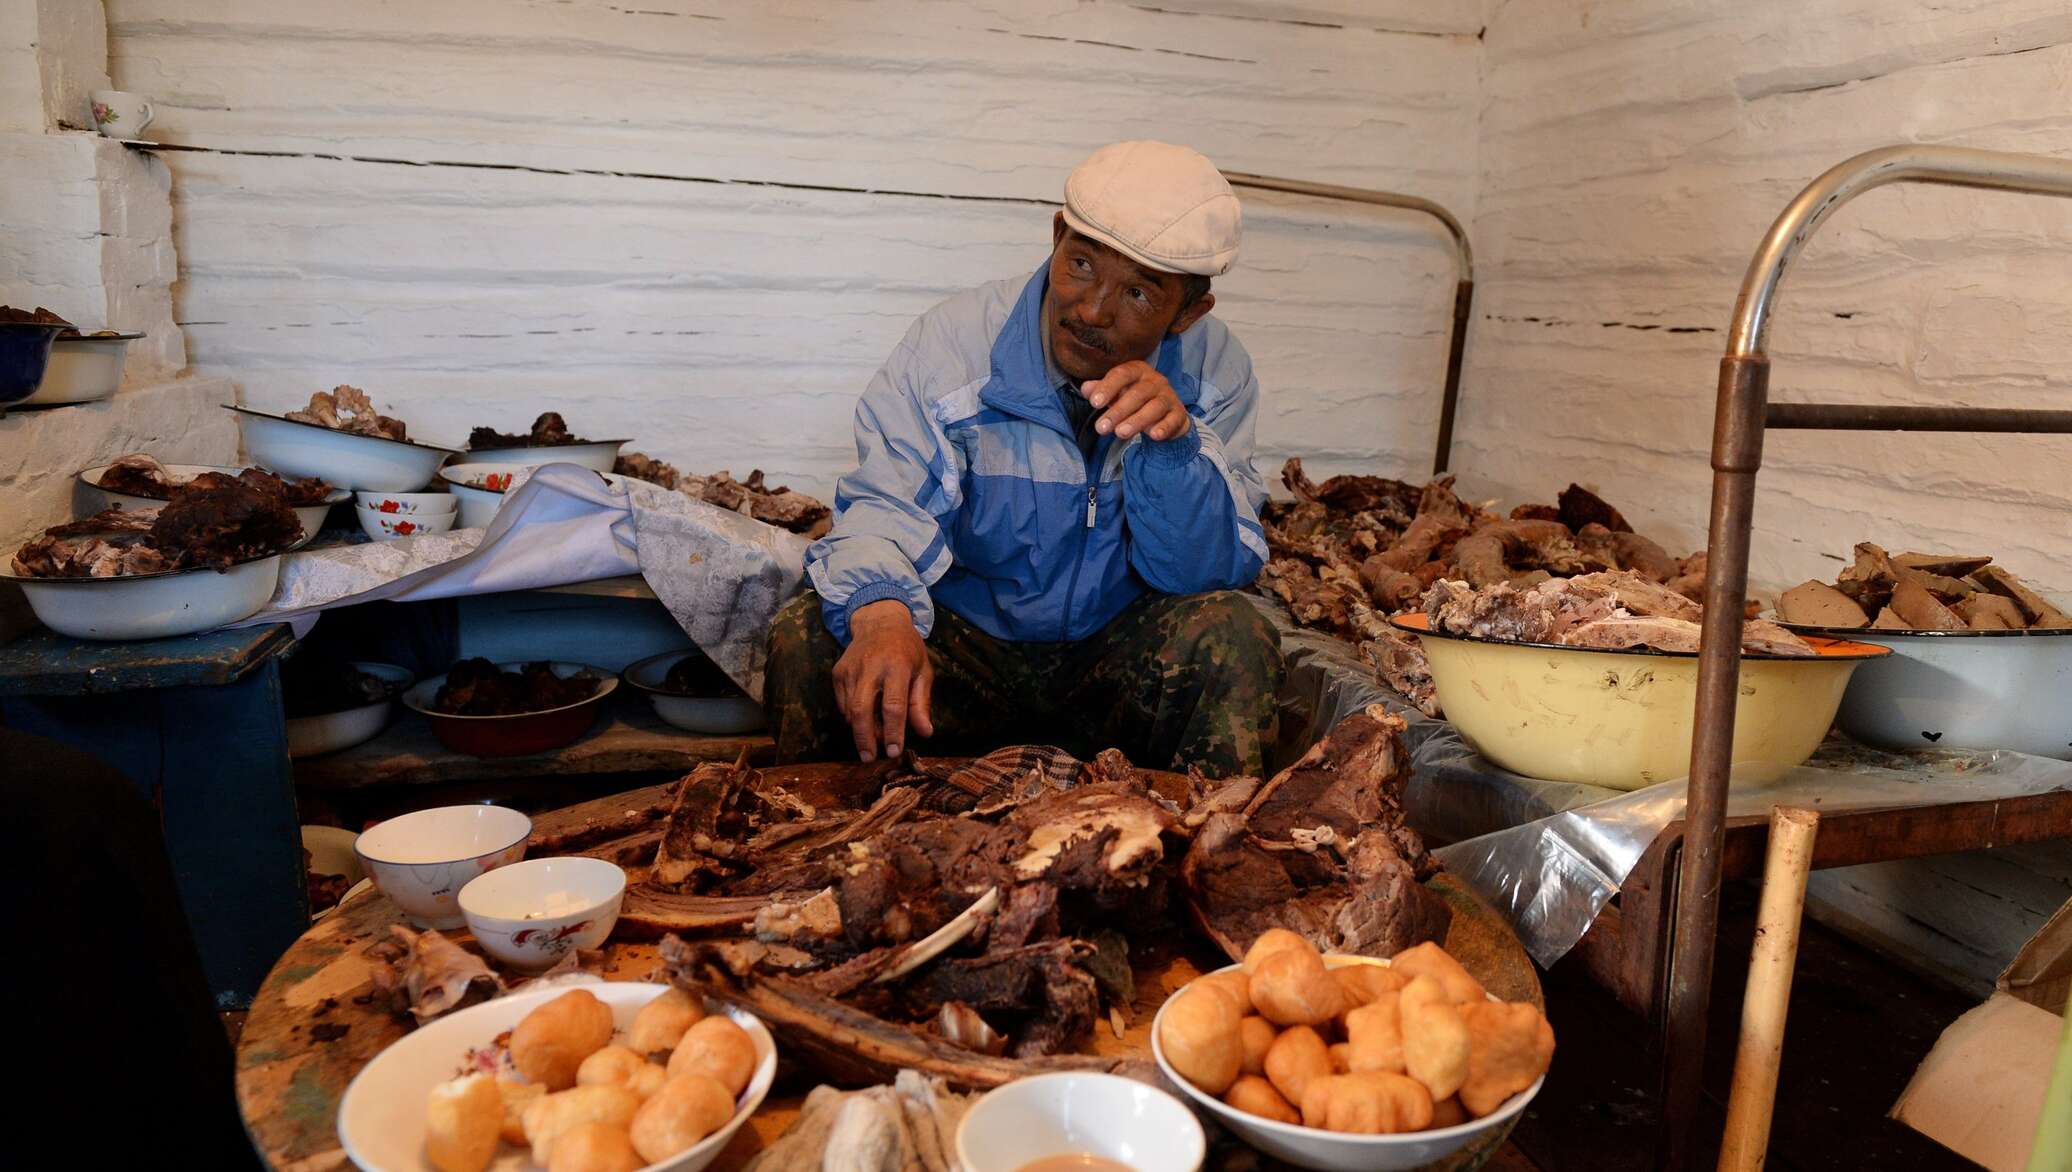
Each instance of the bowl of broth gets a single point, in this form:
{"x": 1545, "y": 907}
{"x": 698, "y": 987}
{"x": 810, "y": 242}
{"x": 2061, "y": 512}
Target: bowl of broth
{"x": 1079, "y": 1122}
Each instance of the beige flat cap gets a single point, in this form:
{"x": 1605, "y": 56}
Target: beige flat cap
{"x": 1163, "y": 206}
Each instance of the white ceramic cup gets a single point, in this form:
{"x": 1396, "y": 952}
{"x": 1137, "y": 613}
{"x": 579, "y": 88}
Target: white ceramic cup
{"x": 120, "y": 114}
{"x": 1074, "y": 1113}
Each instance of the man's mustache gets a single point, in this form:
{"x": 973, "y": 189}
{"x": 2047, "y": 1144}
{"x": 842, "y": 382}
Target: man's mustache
{"x": 1091, "y": 339}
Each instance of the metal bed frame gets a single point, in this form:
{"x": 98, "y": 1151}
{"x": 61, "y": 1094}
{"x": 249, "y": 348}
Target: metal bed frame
{"x": 1463, "y": 289}
{"x": 1742, "y": 413}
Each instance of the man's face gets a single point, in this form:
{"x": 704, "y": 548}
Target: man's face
{"x": 1103, "y": 309}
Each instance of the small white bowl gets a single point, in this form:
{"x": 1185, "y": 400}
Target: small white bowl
{"x": 479, "y": 489}
{"x": 331, "y": 852}
{"x": 386, "y": 526}
{"x": 422, "y": 860}
{"x": 294, "y": 448}
{"x": 1071, "y": 1113}
{"x": 81, "y": 370}
{"x": 381, "y": 1118}
{"x": 711, "y": 715}
{"x": 407, "y": 504}
{"x": 328, "y": 732}
{"x": 598, "y": 456}
{"x": 530, "y": 914}
{"x": 1337, "y": 1151}
{"x": 151, "y": 606}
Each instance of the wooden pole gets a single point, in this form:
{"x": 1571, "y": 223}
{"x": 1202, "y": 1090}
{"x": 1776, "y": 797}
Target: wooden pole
{"x": 1753, "y": 1097}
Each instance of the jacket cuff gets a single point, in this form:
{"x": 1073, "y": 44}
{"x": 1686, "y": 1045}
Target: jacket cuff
{"x": 1174, "y": 452}
{"x": 863, "y": 596}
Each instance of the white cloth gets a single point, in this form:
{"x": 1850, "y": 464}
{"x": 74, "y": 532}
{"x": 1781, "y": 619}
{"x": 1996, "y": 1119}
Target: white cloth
{"x": 721, "y": 575}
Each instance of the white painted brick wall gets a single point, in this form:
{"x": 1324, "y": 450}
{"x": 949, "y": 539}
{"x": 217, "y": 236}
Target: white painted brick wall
{"x": 1631, "y": 156}
{"x": 518, "y": 208}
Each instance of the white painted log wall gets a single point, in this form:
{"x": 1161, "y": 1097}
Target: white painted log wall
{"x": 1632, "y": 155}
{"x": 617, "y": 211}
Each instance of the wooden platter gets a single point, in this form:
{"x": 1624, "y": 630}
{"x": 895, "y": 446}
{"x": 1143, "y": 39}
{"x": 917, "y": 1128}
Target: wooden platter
{"x": 317, "y": 1020}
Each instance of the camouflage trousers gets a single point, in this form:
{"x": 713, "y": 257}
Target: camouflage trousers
{"x": 1173, "y": 681}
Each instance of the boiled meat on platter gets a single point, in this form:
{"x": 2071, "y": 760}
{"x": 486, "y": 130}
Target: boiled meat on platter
{"x": 137, "y": 474}
{"x": 549, "y": 430}
{"x": 215, "y": 521}
{"x": 1921, "y": 592}
{"x": 347, "y": 409}
{"x": 977, "y": 922}
{"x": 778, "y": 506}
{"x": 1619, "y": 611}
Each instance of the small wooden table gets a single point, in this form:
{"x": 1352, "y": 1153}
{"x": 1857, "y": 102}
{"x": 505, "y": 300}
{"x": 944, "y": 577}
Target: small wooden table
{"x": 317, "y": 1020}
{"x": 196, "y": 722}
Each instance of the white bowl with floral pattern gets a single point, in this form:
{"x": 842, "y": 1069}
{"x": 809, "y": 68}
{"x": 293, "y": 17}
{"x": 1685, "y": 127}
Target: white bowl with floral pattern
{"x": 422, "y": 860}
{"x": 531, "y": 914}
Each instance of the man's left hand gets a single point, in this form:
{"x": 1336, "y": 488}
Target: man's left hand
{"x": 1138, "y": 399}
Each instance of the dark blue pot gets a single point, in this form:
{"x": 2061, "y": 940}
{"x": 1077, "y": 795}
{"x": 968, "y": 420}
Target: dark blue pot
{"x": 24, "y": 352}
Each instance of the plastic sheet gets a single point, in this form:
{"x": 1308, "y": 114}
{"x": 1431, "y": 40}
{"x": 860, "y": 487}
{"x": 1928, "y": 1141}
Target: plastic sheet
{"x": 1552, "y": 876}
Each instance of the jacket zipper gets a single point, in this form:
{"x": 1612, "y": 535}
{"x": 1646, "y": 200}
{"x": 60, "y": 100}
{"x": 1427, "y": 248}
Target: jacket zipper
{"x": 1093, "y": 488}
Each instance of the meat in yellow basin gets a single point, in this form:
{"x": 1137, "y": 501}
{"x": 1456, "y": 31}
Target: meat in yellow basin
{"x": 1623, "y": 718}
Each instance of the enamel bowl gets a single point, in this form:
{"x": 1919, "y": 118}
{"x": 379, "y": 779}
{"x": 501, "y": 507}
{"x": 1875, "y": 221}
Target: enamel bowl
{"x": 1337, "y": 1151}
{"x": 1073, "y": 1113}
{"x": 24, "y": 356}
{"x": 294, "y": 448}
{"x": 599, "y": 456}
{"x": 151, "y": 606}
{"x": 1623, "y": 719}
{"x": 388, "y": 526}
{"x": 1962, "y": 690}
{"x": 82, "y": 369}
{"x": 407, "y": 503}
{"x": 328, "y": 732}
{"x": 529, "y": 915}
{"x": 422, "y": 860}
{"x": 479, "y": 488}
{"x": 517, "y": 734}
{"x": 711, "y": 715}
{"x": 311, "y": 516}
{"x": 381, "y": 1118}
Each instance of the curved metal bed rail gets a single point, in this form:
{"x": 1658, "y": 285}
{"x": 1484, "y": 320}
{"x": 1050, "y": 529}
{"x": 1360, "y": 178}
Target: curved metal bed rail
{"x": 1742, "y": 413}
{"x": 1463, "y": 290}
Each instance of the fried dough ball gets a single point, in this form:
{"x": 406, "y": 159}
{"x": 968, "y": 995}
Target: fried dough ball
{"x": 1430, "y": 960}
{"x": 462, "y": 1121}
{"x": 517, "y": 1096}
{"x": 1510, "y": 1045}
{"x": 1374, "y": 1035}
{"x": 1368, "y": 1103}
{"x": 1275, "y": 940}
{"x": 1254, "y": 1035}
{"x": 1292, "y": 987}
{"x": 661, "y": 1023}
{"x": 647, "y": 1080}
{"x": 684, "y": 1111}
{"x": 551, "y": 1042}
{"x": 595, "y": 1147}
{"x": 555, "y": 1115}
{"x": 1199, "y": 1035}
{"x": 1236, "y": 983}
{"x": 1341, "y": 1058}
{"x": 1255, "y": 1096}
{"x": 718, "y": 1047}
{"x": 1359, "y": 984}
{"x": 1295, "y": 1059}
{"x": 1449, "y": 1113}
{"x": 613, "y": 1064}
{"x": 1435, "y": 1038}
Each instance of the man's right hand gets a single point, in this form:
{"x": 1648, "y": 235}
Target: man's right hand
{"x": 882, "y": 681}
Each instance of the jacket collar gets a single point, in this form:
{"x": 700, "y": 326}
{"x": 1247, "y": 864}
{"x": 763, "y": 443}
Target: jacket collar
{"x": 1020, "y": 382}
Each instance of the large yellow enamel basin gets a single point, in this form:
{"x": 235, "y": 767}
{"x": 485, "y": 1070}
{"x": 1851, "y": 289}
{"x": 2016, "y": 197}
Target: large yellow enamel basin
{"x": 1623, "y": 718}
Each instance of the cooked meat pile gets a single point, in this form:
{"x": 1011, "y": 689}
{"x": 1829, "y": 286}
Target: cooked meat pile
{"x": 214, "y": 521}
{"x": 34, "y": 317}
{"x": 312, "y": 685}
{"x": 140, "y": 475}
{"x": 548, "y": 431}
{"x": 1610, "y": 610}
{"x": 975, "y": 923}
{"x": 696, "y": 675}
{"x": 477, "y": 687}
{"x": 324, "y": 890}
{"x": 344, "y": 408}
{"x": 1921, "y": 592}
{"x": 772, "y": 506}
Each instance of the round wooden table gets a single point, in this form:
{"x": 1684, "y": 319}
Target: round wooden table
{"x": 318, "y": 1019}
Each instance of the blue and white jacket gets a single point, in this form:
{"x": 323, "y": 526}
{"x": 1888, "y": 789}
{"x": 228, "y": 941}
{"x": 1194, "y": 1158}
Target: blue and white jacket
{"x": 972, "y": 493}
